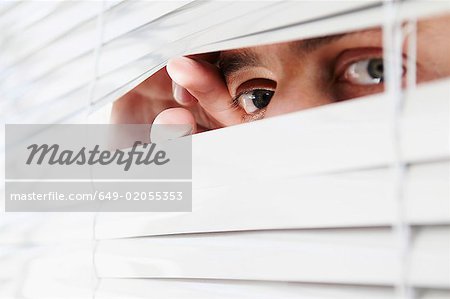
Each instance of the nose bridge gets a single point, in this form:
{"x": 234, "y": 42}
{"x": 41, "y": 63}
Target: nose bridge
{"x": 299, "y": 83}
{"x": 296, "y": 84}
{"x": 295, "y": 76}
{"x": 298, "y": 90}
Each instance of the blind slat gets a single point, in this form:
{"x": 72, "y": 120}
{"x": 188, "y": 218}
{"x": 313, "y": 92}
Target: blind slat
{"x": 27, "y": 42}
{"x": 357, "y": 256}
{"x": 34, "y": 11}
{"x": 352, "y": 199}
{"x": 23, "y": 46}
{"x": 39, "y": 229}
{"x": 222, "y": 289}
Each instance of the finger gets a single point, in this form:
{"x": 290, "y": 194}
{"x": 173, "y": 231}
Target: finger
{"x": 173, "y": 123}
{"x": 204, "y": 81}
{"x": 182, "y": 96}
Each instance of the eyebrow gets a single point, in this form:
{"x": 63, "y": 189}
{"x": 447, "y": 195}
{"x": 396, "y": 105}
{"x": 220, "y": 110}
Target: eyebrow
{"x": 235, "y": 60}
{"x": 312, "y": 44}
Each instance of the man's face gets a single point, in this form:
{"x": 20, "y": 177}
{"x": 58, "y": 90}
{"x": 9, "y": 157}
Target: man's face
{"x": 222, "y": 89}
{"x": 281, "y": 78}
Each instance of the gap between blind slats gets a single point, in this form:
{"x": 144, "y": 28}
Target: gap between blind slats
{"x": 116, "y": 83}
{"x": 119, "y": 73}
{"x": 352, "y": 256}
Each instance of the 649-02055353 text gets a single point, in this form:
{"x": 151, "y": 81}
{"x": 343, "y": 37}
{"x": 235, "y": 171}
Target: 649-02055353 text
{"x": 98, "y": 195}
{"x": 47, "y": 196}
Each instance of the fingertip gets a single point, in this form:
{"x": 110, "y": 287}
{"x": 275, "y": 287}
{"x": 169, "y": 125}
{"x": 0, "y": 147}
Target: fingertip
{"x": 179, "y": 69}
{"x": 206, "y": 84}
{"x": 173, "y": 123}
{"x": 195, "y": 76}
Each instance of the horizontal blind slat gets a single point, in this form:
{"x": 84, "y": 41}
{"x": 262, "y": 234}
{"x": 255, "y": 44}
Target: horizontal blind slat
{"x": 45, "y": 228}
{"x": 356, "y": 256}
{"x": 27, "y": 42}
{"x": 34, "y": 12}
{"x": 223, "y": 289}
{"x": 23, "y": 46}
{"x": 354, "y": 199}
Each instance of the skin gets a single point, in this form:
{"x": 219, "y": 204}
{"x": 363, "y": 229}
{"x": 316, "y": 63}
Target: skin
{"x": 202, "y": 90}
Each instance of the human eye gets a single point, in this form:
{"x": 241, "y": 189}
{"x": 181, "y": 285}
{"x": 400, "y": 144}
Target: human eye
{"x": 365, "y": 71}
{"x": 254, "y": 95}
{"x": 360, "y": 72}
{"x": 254, "y": 100}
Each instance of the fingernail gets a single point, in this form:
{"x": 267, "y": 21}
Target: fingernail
{"x": 176, "y": 91}
{"x": 181, "y": 95}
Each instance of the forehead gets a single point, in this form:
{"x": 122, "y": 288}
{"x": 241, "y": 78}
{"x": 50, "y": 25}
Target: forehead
{"x": 305, "y": 45}
{"x": 231, "y": 61}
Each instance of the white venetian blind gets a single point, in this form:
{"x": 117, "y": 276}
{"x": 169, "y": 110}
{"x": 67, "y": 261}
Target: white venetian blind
{"x": 350, "y": 200}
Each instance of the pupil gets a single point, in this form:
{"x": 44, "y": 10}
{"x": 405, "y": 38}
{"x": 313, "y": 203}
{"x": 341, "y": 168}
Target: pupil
{"x": 375, "y": 68}
{"x": 262, "y": 97}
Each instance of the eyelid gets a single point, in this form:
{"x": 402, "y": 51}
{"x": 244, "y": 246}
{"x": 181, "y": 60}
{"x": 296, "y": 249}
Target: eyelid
{"x": 237, "y": 79}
